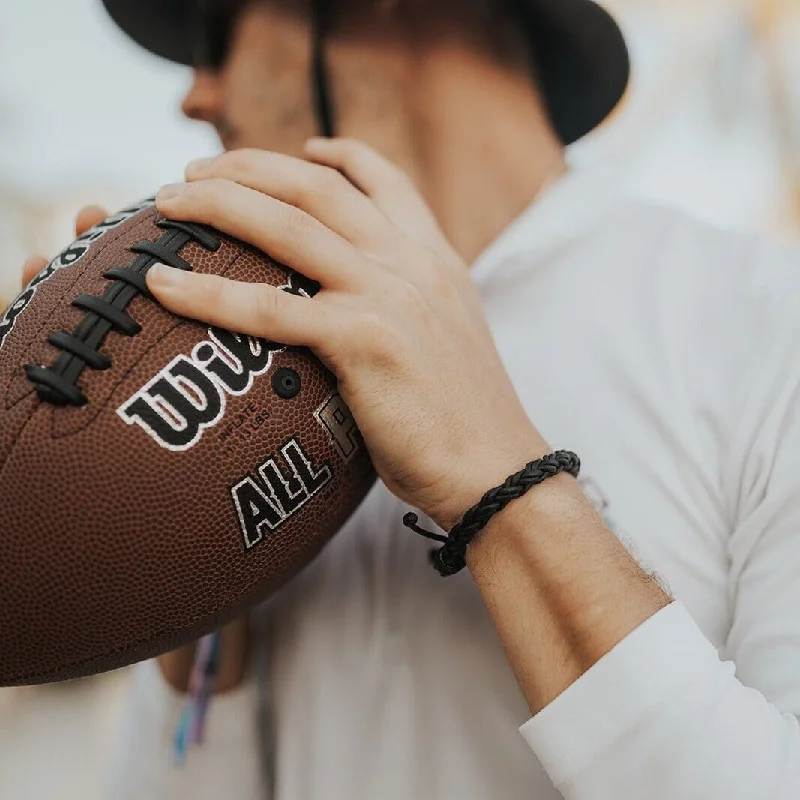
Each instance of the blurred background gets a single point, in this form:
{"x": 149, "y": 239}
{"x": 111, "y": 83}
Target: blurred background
{"x": 711, "y": 124}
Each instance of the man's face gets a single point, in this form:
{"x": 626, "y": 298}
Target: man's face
{"x": 260, "y": 96}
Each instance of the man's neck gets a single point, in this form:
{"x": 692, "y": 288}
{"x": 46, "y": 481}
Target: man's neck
{"x": 475, "y": 138}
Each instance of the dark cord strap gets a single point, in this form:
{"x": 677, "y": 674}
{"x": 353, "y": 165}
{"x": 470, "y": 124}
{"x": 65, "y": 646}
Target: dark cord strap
{"x": 451, "y": 557}
{"x": 320, "y": 86}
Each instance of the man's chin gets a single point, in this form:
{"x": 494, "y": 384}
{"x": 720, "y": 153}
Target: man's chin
{"x": 228, "y": 137}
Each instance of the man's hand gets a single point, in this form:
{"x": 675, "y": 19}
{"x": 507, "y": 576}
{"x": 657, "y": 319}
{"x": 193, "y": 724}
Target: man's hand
{"x": 399, "y": 322}
{"x": 398, "y": 319}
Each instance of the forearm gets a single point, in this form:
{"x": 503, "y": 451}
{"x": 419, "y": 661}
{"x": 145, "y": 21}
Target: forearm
{"x": 560, "y": 586}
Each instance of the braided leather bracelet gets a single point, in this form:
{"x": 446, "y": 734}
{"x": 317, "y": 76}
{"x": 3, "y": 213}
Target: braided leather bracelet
{"x": 451, "y": 557}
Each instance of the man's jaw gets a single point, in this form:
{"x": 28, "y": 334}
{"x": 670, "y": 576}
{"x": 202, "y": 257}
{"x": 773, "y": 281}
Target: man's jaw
{"x": 226, "y": 134}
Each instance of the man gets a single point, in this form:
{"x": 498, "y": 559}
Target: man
{"x": 661, "y": 351}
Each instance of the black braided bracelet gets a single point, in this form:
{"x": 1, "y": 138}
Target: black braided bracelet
{"x": 451, "y": 557}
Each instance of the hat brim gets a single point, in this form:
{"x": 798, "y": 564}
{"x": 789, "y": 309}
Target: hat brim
{"x": 582, "y": 59}
{"x": 164, "y": 27}
{"x": 583, "y": 62}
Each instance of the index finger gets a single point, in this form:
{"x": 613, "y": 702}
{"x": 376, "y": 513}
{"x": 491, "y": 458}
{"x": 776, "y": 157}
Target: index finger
{"x": 390, "y": 189}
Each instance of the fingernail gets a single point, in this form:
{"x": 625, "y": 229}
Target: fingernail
{"x": 198, "y": 164}
{"x": 165, "y": 277}
{"x": 170, "y": 191}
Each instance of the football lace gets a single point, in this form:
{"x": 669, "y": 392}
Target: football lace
{"x": 58, "y": 383}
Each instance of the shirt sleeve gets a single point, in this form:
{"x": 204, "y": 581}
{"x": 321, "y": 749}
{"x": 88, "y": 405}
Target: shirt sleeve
{"x": 664, "y": 715}
{"x": 227, "y": 764}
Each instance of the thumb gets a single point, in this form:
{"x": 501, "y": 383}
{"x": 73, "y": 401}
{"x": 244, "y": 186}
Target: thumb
{"x": 32, "y": 267}
{"x": 88, "y": 217}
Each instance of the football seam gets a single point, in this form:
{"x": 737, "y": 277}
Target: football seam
{"x": 180, "y": 322}
{"x": 4, "y": 459}
{"x": 247, "y": 598}
{"x": 105, "y": 312}
{"x": 58, "y": 307}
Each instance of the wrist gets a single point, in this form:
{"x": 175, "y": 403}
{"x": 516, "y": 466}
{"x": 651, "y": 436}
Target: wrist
{"x": 450, "y": 558}
{"x": 176, "y": 666}
{"x": 467, "y": 489}
{"x": 524, "y": 520}
{"x": 490, "y": 472}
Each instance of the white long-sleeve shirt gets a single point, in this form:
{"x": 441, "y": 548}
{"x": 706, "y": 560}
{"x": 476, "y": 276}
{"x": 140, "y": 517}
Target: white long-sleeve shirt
{"x": 667, "y": 355}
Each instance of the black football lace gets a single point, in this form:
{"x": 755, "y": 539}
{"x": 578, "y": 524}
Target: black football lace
{"x": 58, "y": 383}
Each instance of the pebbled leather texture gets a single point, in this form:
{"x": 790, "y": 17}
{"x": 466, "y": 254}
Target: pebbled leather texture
{"x": 114, "y": 547}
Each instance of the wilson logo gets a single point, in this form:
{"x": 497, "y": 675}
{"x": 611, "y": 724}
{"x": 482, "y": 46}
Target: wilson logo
{"x": 337, "y": 419}
{"x": 189, "y": 395}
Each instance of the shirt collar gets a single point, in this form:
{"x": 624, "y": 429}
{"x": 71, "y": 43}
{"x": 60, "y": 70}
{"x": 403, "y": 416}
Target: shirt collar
{"x": 571, "y": 207}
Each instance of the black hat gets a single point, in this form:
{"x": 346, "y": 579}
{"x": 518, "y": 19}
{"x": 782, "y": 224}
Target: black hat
{"x": 582, "y": 59}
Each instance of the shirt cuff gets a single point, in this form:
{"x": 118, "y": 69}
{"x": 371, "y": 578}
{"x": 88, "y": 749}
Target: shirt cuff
{"x": 657, "y": 659}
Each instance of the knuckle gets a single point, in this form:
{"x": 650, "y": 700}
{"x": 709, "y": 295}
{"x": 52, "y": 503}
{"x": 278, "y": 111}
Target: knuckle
{"x": 320, "y": 183}
{"x": 237, "y": 161}
{"x": 266, "y": 302}
{"x": 296, "y": 223}
{"x": 329, "y": 181}
{"x": 370, "y": 327}
{"x": 412, "y": 298}
{"x": 439, "y": 280}
{"x": 207, "y": 197}
{"x": 213, "y": 292}
{"x": 195, "y": 194}
{"x": 376, "y": 334}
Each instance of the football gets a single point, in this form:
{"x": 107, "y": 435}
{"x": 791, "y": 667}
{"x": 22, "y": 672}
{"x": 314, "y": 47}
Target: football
{"x": 157, "y": 476}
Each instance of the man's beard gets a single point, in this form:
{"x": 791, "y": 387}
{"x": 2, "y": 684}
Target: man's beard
{"x": 226, "y": 133}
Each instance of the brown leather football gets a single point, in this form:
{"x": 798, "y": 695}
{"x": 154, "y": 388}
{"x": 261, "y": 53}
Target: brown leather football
{"x": 157, "y": 476}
